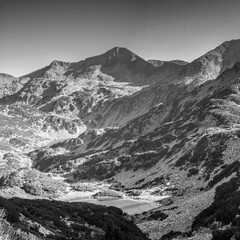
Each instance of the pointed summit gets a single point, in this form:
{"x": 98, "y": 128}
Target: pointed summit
{"x": 117, "y": 51}
{"x": 122, "y": 55}
{"x": 55, "y": 63}
{"x": 118, "y": 63}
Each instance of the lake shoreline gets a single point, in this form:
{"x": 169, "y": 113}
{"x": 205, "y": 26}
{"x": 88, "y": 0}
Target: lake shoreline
{"x": 129, "y": 205}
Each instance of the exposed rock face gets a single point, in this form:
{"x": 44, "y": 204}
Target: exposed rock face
{"x": 213, "y": 63}
{"x": 156, "y": 63}
{"x": 9, "y": 84}
{"x": 117, "y": 116}
{"x": 55, "y": 70}
{"x": 159, "y": 63}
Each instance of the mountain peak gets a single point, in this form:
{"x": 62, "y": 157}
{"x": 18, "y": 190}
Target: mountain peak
{"x": 4, "y": 75}
{"x": 225, "y": 55}
{"x": 120, "y": 52}
{"x": 59, "y": 63}
{"x": 118, "y": 49}
{"x": 233, "y": 41}
{"x": 213, "y": 63}
{"x": 55, "y": 62}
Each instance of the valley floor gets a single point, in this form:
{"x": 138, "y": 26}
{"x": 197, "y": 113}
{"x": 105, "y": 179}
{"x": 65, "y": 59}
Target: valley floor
{"x": 129, "y": 204}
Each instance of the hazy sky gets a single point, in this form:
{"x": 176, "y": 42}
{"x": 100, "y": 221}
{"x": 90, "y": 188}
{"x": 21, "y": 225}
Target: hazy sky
{"x": 35, "y": 32}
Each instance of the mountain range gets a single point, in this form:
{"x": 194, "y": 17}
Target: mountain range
{"x": 159, "y": 128}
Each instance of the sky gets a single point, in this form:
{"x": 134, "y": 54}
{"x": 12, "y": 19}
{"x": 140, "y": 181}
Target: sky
{"x": 33, "y": 33}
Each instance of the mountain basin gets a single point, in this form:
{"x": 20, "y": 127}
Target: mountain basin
{"x": 130, "y": 206}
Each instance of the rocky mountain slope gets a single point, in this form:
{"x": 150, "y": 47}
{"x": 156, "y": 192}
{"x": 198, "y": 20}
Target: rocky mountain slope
{"x": 144, "y": 127}
{"x": 9, "y": 84}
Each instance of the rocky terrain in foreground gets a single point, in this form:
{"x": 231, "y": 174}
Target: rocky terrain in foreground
{"x": 115, "y": 125}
